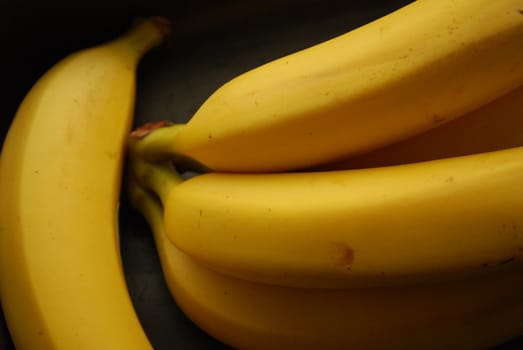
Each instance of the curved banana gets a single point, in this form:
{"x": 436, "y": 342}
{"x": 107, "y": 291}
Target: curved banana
{"x": 62, "y": 284}
{"x": 401, "y": 224}
{"x": 495, "y": 126}
{"x": 473, "y": 313}
{"x": 416, "y": 68}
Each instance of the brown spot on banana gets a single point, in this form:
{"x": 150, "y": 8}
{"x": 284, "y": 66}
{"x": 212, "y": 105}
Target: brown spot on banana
{"x": 343, "y": 255}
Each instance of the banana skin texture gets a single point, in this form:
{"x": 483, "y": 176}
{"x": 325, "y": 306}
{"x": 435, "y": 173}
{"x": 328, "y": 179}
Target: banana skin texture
{"x": 417, "y": 68}
{"x": 472, "y": 313}
{"x": 62, "y": 284}
{"x": 495, "y": 126}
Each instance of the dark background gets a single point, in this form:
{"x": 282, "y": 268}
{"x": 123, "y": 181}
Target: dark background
{"x": 212, "y": 42}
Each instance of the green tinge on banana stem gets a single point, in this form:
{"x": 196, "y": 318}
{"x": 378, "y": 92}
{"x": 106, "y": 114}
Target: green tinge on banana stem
{"x": 152, "y": 141}
{"x": 152, "y": 211}
{"x": 149, "y": 206}
{"x": 156, "y": 177}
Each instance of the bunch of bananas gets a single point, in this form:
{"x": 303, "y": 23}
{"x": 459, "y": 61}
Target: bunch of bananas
{"x": 359, "y": 194}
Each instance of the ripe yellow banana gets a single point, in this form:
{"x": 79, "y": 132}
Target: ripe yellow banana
{"x": 495, "y": 126}
{"x": 61, "y": 279}
{"x": 475, "y": 313}
{"x": 401, "y": 224}
{"x": 416, "y": 68}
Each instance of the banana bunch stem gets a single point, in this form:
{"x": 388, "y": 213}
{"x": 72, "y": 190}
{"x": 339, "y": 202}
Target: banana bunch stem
{"x": 156, "y": 177}
{"x": 152, "y": 140}
{"x": 147, "y": 204}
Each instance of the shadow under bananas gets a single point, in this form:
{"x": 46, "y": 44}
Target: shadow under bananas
{"x": 5, "y": 340}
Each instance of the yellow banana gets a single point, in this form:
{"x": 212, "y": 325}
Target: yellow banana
{"x": 495, "y": 126}
{"x": 401, "y": 224}
{"x": 62, "y": 284}
{"x": 416, "y": 68}
{"x": 474, "y": 313}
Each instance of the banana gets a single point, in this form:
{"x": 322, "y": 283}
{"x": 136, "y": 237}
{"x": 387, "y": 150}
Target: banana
{"x": 419, "y": 222}
{"x": 407, "y": 72}
{"x": 62, "y": 284}
{"x": 474, "y": 313}
{"x": 495, "y": 126}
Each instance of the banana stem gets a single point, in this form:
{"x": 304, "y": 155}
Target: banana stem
{"x": 145, "y": 34}
{"x": 159, "y": 178}
{"x": 152, "y": 211}
{"x": 146, "y": 204}
{"x": 152, "y": 141}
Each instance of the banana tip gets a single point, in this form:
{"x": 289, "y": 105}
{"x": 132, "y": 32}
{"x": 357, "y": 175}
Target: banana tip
{"x": 163, "y": 24}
